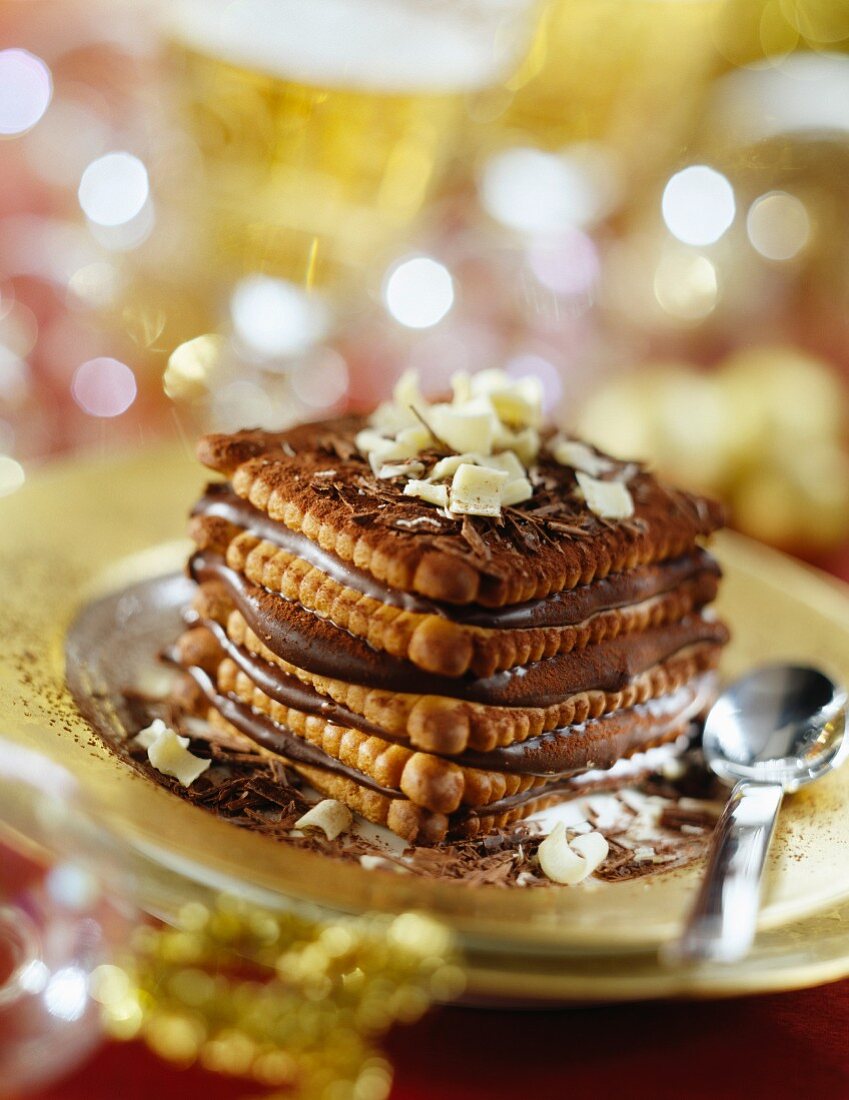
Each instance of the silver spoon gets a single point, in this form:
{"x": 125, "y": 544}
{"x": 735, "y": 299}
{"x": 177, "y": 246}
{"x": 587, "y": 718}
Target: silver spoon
{"x": 774, "y": 731}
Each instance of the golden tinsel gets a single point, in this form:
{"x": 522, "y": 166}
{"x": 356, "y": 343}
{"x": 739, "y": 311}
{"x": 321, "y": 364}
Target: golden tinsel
{"x": 292, "y": 1003}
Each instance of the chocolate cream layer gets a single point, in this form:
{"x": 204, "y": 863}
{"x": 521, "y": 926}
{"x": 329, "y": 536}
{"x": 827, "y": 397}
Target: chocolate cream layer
{"x": 310, "y": 642}
{"x": 598, "y": 743}
{"x": 270, "y": 735}
{"x": 560, "y": 609}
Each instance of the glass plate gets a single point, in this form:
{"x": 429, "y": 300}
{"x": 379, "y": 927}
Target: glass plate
{"x": 101, "y": 538}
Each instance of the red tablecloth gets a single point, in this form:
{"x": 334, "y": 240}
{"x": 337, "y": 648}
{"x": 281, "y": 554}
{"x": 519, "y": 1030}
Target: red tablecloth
{"x": 784, "y": 1045}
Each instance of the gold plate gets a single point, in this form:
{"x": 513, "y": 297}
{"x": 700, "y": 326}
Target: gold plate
{"x": 90, "y": 527}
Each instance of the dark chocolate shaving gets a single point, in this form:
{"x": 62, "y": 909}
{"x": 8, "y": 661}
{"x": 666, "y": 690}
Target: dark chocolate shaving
{"x": 474, "y": 538}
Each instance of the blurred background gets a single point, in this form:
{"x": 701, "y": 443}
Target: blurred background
{"x": 230, "y": 213}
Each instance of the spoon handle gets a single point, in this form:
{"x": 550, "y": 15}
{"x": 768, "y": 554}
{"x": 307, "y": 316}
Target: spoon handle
{"x": 722, "y": 923}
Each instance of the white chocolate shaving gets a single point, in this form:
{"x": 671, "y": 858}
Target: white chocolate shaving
{"x": 407, "y": 394}
{"x": 516, "y": 491}
{"x": 608, "y": 499}
{"x": 569, "y": 452}
{"x": 569, "y": 862}
{"x": 170, "y": 755}
{"x": 476, "y": 490}
{"x": 525, "y": 444}
{"x": 516, "y": 400}
{"x": 506, "y": 461}
{"x": 369, "y": 440}
{"x": 329, "y": 815}
{"x": 146, "y": 737}
{"x": 380, "y": 863}
{"x": 467, "y": 427}
{"x": 518, "y": 404}
{"x": 416, "y": 437}
{"x": 461, "y": 387}
{"x": 402, "y": 469}
{"x": 447, "y": 467}
{"x": 399, "y": 413}
{"x": 427, "y": 491}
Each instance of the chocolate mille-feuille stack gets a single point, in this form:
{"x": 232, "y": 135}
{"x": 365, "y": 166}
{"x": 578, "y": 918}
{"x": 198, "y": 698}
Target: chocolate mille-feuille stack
{"x": 444, "y": 615}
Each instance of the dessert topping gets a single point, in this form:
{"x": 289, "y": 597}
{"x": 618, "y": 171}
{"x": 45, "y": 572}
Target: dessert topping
{"x": 608, "y": 499}
{"x": 571, "y": 861}
{"x": 491, "y": 430}
{"x": 476, "y": 490}
{"x": 491, "y": 426}
{"x": 569, "y": 452}
{"x": 145, "y": 738}
{"x": 169, "y": 753}
{"x": 329, "y": 815}
{"x": 428, "y": 491}
{"x": 401, "y": 469}
{"x": 381, "y": 863}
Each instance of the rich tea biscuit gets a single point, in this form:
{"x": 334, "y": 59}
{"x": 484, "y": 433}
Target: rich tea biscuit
{"x": 318, "y": 646}
{"x": 451, "y": 726}
{"x": 443, "y": 785}
{"x": 436, "y": 643}
{"x": 313, "y": 481}
{"x": 418, "y": 825}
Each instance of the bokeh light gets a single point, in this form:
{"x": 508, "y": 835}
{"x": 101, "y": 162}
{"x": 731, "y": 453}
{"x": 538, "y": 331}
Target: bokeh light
{"x": 72, "y": 886}
{"x": 819, "y": 21}
{"x": 71, "y": 135}
{"x": 807, "y": 94}
{"x": 192, "y": 366}
{"x": 66, "y": 995}
{"x": 698, "y": 205}
{"x": 18, "y": 329}
{"x": 25, "y": 91}
{"x": 529, "y": 365}
{"x": 244, "y": 403}
{"x": 568, "y": 265}
{"x": 274, "y": 318}
{"x": 128, "y": 235}
{"x": 536, "y": 192}
{"x": 778, "y": 225}
{"x": 104, "y": 387}
{"x": 419, "y": 292}
{"x": 11, "y": 475}
{"x": 686, "y": 285}
{"x": 94, "y": 285}
{"x": 14, "y": 378}
{"x": 114, "y": 189}
{"x": 323, "y": 383}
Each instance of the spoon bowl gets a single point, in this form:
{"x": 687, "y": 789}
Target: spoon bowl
{"x": 780, "y": 724}
{"x": 774, "y": 731}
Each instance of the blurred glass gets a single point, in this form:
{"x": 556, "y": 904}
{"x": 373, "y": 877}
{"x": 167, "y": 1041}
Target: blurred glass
{"x": 297, "y": 144}
{"x": 321, "y": 125}
{"x": 626, "y": 73}
{"x": 312, "y": 132}
{"x": 56, "y": 926}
